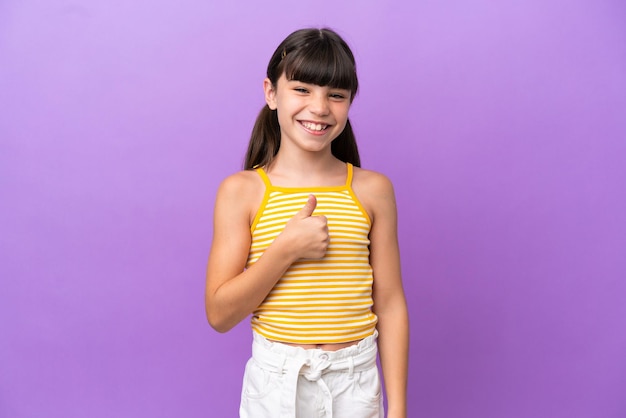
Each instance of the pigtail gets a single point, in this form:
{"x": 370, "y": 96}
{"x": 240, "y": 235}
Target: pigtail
{"x": 264, "y": 140}
{"x": 344, "y": 147}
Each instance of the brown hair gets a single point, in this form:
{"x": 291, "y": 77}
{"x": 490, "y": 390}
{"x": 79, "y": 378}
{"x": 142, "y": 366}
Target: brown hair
{"x": 314, "y": 56}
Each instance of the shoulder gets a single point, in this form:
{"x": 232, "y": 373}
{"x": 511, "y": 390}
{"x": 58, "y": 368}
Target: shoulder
{"x": 241, "y": 182}
{"x": 240, "y": 194}
{"x": 371, "y": 182}
{"x": 374, "y": 190}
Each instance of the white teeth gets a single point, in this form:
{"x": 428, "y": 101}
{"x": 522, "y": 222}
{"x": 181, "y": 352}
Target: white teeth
{"x": 314, "y": 126}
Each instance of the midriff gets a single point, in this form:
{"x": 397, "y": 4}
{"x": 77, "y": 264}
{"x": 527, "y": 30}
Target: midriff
{"x": 323, "y": 347}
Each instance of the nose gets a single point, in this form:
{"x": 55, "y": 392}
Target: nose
{"x": 319, "y": 104}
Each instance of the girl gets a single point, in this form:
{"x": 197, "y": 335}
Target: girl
{"x": 306, "y": 242}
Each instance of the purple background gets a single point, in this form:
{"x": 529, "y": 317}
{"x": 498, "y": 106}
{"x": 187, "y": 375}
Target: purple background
{"x": 502, "y": 125}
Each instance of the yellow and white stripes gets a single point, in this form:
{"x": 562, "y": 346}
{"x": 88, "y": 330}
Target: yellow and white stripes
{"x": 317, "y": 301}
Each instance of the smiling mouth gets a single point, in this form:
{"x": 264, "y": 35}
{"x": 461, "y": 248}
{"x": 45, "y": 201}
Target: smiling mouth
{"x": 317, "y": 127}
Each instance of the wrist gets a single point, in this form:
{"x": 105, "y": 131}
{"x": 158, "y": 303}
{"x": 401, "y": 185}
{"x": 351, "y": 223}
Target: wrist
{"x": 285, "y": 251}
{"x": 393, "y": 413}
{"x": 396, "y": 409}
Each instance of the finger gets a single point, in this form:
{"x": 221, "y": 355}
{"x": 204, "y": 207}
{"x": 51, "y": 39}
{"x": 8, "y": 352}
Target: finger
{"x": 308, "y": 208}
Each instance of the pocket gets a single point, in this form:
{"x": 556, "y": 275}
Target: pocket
{"x": 258, "y": 382}
{"x": 368, "y": 385}
{"x": 260, "y": 395}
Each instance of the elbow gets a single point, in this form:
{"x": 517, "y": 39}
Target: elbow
{"x": 218, "y": 322}
{"x": 220, "y": 326}
{"x": 221, "y": 316}
{"x": 213, "y": 316}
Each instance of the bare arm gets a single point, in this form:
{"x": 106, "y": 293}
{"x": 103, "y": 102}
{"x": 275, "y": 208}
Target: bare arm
{"x": 232, "y": 293}
{"x": 389, "y": 300}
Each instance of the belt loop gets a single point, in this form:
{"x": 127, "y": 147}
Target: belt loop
{"x": 350, "y": 367}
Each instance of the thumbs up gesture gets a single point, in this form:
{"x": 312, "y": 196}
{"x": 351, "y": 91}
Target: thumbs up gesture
{"x": 307, "y": 234}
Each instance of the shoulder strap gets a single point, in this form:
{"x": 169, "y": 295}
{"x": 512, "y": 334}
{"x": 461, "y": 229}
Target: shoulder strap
{"x": 349, "y": 176}
{"x": 266, "y": 195}
{"x": 264, "y": 176}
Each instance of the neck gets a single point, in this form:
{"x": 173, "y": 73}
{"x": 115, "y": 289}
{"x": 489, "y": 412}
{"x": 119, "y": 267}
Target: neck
{"x": 305, "y": 169}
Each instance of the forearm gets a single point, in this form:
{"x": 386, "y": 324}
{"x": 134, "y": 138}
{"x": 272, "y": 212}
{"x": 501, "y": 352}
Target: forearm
{"x": 393, "y": 342}
{"x": 237, "y": 297}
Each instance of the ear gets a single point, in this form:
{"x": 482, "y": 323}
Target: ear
{"x": 270, "y": 94}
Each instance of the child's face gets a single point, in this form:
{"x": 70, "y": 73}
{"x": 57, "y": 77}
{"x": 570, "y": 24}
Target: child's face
{"x": 310, "y": 116}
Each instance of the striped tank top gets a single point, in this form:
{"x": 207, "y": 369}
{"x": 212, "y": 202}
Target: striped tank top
{"x": 326, "y": 300}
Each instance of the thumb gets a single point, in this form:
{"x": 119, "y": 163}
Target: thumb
{"x": 309, "y": 207}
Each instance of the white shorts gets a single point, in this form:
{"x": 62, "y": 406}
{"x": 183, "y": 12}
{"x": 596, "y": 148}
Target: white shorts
{"x": 282, "y": 381}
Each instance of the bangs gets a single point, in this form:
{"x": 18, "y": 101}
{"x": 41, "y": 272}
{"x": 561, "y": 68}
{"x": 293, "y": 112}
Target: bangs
{"x": 323, "y": 64}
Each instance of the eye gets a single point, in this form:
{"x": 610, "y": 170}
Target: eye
{"x": 300, "y": 90}
{"x": 338, "y": 96}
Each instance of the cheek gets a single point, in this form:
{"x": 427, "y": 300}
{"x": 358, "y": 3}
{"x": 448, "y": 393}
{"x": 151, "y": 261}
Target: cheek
{"x": 289, "y": 104}
{"x": 341, "y": 114}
